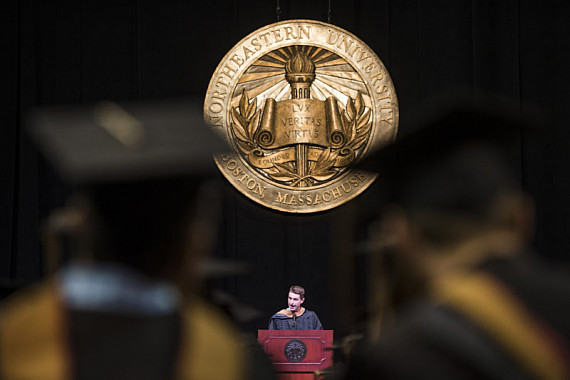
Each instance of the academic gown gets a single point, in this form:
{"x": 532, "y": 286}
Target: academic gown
{"x": 285, "y": 320}
{"x": 506, "y": 320}
{"x": 100, "y": 327}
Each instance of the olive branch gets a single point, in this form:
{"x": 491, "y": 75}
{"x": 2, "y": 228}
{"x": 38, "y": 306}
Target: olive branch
{"x": 285, "y": 173}
{"x": 323, "y": 168}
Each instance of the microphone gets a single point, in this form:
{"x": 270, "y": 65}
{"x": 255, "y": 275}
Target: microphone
{"x": 294, "y": 319}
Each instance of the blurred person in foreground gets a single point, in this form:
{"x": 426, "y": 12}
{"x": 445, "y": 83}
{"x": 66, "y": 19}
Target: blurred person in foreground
{"x": 124, "y": 306}
{"x": 461, "y": 225}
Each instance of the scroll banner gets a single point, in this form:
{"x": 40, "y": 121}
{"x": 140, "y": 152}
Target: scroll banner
{"x": 301, "y": 121}
{"x": 288, "y": 155}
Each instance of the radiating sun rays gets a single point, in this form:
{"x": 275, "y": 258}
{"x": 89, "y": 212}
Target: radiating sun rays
{"x": 334, "y": 77}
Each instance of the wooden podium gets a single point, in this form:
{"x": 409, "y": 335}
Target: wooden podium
{"x": 297, "y": 354}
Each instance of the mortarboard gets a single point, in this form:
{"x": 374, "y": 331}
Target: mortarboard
{"x": 453, "y": 155}
{"x": 109, "y": 142}
{"x": 142, "y": 166}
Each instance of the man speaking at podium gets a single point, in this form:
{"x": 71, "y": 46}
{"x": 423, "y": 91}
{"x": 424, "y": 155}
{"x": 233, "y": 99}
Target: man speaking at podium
{"x": 295, "y": 317}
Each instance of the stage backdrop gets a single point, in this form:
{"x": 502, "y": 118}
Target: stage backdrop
{"x": 62, "y": 52}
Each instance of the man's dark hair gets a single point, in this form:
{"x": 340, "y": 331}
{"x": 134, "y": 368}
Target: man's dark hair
{"x": 298, "y": 290}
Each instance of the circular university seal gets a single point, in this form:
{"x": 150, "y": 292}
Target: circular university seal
{"x": 299, "y": 101}
{"x": 295, "y": 350}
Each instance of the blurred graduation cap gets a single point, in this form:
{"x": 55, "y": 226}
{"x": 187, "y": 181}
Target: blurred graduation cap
{"x": 453, "y": 155}
{"x": 142, "y": 166}
{"x": 112, "y": 143}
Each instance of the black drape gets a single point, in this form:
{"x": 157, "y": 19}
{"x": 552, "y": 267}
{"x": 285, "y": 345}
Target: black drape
{"x": 56, "y": 52}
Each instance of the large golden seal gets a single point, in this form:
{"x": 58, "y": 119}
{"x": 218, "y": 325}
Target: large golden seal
{"x": 299, "y": 101}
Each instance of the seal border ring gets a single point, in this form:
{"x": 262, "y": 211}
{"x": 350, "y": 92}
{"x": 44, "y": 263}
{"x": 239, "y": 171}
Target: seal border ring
{"x": 223, "y": 130}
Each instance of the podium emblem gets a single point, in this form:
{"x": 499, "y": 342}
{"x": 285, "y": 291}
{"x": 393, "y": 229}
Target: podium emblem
{"x": 299, "y": 102}
{"x": 295, "y": 350}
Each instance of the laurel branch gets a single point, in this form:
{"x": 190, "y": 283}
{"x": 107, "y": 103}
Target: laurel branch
{"x": 356, "y": 123}
{"x": 245, "y": 122}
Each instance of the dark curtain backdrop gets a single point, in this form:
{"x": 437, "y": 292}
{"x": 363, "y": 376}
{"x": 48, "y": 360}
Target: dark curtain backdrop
{"x": 61, "y": 52}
